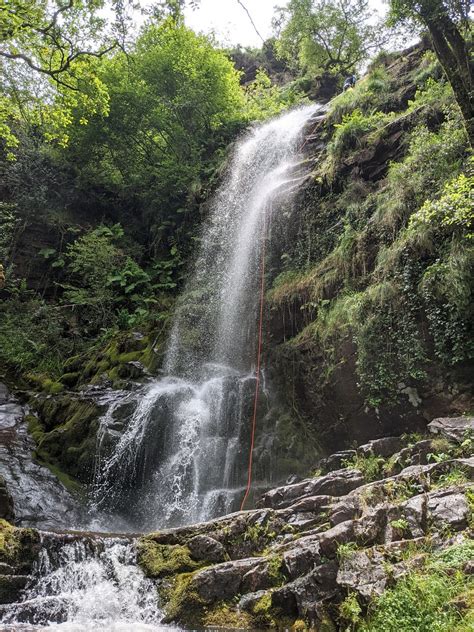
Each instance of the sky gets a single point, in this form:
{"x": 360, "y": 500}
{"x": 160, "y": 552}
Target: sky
{"x": 230, "y": 23}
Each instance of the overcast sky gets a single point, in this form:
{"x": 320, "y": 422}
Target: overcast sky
{"x": 230, "y": 22}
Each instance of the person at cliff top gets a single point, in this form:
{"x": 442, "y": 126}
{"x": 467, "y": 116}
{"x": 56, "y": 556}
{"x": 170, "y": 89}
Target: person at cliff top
{"x": 349, "y": 82}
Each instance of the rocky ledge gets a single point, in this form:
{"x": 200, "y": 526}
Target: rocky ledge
{"x": 321, "y": 553}
{"x": 317, "y": 553}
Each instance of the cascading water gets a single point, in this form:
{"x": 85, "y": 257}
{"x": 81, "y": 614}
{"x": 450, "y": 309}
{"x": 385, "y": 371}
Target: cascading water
{"x": 182, "y": 454}
{"x": 81, "y": 584}
{"x": 175, "y": 450}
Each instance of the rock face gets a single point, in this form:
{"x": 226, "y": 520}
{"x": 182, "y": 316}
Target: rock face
{"x": 19, "y": 548}
{"x": 29, "y": 493}
{"x": 453, "y": 428}
{"x": 311, "y": 543}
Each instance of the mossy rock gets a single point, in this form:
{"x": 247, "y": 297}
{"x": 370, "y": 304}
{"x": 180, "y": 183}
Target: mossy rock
{"x": 161, "y": 560}
{"x": 65, "y": 431}
{"x": 45, "y": 383}
{"x": 181, "y": 601}
{"x": 226, "y": 616}
{"x": 19, "y": 547}
{"x": 70, "y": 379}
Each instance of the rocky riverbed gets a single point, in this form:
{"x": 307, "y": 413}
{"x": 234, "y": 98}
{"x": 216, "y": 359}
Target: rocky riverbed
{"x": 367, "y": 518}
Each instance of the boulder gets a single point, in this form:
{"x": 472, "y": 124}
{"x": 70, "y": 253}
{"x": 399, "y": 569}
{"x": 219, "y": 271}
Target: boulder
{"x": 448, "y": 508}
{"x": 303, "y": 556}
{"x": 452, "y": 428}
{"x": 336, "y": 461}
{"x": 385, "y": 447}
{"x": 305, "y": 596}
{"x": 370, "y": 529}
{"x": 223, "y": 581}
{"x": 337, "y": 483}
{"x": 346, "y": 509}
{"x": 414, "y": 512}
{"x": 332, "y": 538}
{"x": 364, "y": 573}
{"x": 203, "y": 547}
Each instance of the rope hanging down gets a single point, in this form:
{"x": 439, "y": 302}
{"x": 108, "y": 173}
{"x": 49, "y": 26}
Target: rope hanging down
{"x": 260, "y": 339}
{"x": 259, "y": 359}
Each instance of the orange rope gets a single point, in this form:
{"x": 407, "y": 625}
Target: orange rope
{"x": 259, "y": 358}
{"x": 259, "y": 347}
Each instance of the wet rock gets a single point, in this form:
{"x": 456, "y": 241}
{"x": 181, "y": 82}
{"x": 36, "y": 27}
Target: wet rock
{"x": 6, "y": 502}
{"x": 448, "y": 508}
{"x": 363, "y": 573}
{"x": 382, "y": 447}
{"x": 346, "y": 509}
{"x": 132, "y": 370}
{"x": 39, "y": 498}
{"x": 11, "y": 586}
{"x": 336, "y": 461}
{"x": 337, "y": 483}
{"x": 302, "y": 557}
{"x": 452, "y": 428}
{"x": 203, "y": 547}
{"x": 223, "y": 581}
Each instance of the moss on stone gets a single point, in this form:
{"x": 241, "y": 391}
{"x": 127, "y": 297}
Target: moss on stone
{"x": 161, "y": 560}
{"x": 181, "y": 601}
{"x": 65, "y": 434}
{"x": 223, "y": 615}
{"x": 70, "y": 379}
{"x": 18, "y": 546}
{"x": 45, "y": 383}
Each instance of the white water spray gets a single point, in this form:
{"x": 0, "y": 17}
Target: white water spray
{"x": 182, "y": 455}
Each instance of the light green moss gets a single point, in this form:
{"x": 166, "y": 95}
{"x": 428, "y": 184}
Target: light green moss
{"x": 161, "y": 560}
{"x": 226, "y": 616}
{"x": 181, "y": 601}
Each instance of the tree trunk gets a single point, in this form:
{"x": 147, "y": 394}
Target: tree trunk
{"x": 451, "y": 51}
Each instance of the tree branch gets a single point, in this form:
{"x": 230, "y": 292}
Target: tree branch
{"x": 250, "y": 18}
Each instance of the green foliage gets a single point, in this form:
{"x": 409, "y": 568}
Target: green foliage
{"x": 175, "y": 103}
{"x": 371, "y": 466}
{"x": 50, "y": 54}
{"x": 352, "y": 128}
{"x": 367, "y": 96}
{"x": 334, "y": 36}
{"x": 453, "y": 211}
{"x": 346, "y": 551}
{"x": 31, "y": 332}
{"x": 424, "y": 601}
{"x": 264, "y": 99}
{"x": 350, "y": 609}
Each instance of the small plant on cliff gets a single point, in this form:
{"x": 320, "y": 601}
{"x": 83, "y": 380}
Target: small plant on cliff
{"x": 371, "y": 466}
{"x": 350, "y": 610}
{"x": 346, "y": 551}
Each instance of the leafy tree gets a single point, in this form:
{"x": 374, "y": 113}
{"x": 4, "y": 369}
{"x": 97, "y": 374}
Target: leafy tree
{"x": 449, "y": 27}
{"x": 175, "y": 101}
{"x": 329, "y": 35}
{"x": 50, "y": 51}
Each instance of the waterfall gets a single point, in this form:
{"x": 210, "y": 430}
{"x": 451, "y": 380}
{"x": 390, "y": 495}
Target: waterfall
{"x": 85, "y": 583}
{"x": 182, "y": 455}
